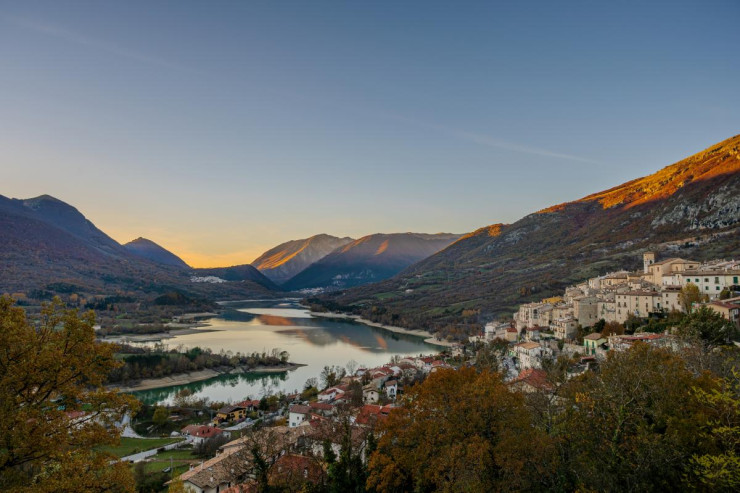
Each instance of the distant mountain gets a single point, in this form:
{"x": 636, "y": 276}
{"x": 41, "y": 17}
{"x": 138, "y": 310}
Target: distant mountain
{"x": 61, "y": 216}
{"x": 239, "y": 273}
{"x": 149, "y": 250}
{"x": 369, "y": 259}
{"x": 289, "y": 258}
{"x": 690, "y": 209}
{"x": 48, "y": 247}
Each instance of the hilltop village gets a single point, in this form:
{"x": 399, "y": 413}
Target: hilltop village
{"x": 575, "y": 323}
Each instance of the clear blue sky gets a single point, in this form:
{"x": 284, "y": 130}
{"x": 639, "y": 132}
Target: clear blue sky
{"x": 220, "y": 129}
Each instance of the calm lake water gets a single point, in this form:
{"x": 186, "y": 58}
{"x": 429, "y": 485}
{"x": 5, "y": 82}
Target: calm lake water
{"x": 249, "y": 326}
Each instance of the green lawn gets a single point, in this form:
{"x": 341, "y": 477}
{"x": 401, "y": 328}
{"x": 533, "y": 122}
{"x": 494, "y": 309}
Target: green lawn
{"x": 130, "y": 446}
{"x": 178, "y": 458}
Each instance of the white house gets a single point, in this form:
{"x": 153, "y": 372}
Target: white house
{"x": 298, "y": 414}
{"x": 391, "y": 389}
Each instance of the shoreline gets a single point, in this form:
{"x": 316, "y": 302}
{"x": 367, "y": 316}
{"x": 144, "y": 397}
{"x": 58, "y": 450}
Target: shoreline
{"x": 158, "y": 336}
{"x": 201, "y": 375}
{"x": 428, "y": 336}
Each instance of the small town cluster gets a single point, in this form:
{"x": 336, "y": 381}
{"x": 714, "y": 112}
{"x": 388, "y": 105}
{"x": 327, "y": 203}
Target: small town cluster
{"x": 543, "y": 329}
{"x": 295, "y": 445}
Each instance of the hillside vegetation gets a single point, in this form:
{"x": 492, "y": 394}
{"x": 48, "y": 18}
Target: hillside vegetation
{"x": 689, "y": 209}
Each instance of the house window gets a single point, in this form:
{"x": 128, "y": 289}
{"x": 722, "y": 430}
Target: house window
{"x": 716, "y": 280}
{"x": 706, "y": 279}
{"x": 717, "y": 288}
{"x": 734, "y": 280}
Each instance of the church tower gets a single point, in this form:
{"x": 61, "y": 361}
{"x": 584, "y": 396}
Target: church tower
{"x": 648, "y": 259}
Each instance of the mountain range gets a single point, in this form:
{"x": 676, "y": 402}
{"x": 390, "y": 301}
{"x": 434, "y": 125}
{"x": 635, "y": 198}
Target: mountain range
{"x": 443, "y": 282}
{"x": 48, "y": 247}
{"x": 369, "y": 259}
{"x": 288, "y": 259}
{"x": 689, "y": 209}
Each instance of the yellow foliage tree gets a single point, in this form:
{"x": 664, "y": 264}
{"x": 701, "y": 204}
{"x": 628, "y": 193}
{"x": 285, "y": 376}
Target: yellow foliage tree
{"x": 54, "y": 410}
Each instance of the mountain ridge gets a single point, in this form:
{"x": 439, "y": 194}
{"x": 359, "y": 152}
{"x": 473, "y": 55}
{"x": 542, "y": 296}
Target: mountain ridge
{"x": 370, "y": 258}
{"x": 484, "y": 276}
{"x": 284, "y": 261}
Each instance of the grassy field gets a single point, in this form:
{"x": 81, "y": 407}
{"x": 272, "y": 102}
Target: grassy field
{"x": 179, "y": 459}
{"x": 130, "y": 446}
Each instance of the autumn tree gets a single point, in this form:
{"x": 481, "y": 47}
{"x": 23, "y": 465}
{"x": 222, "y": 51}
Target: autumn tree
{"x": 160, "y": 416}
{"x": 689, "y": 295}
{"x": 632, "y": 425}
{"x": 717, "y": 468}
{"x": 460, "y": 431}
{"x": 49, "y": 373}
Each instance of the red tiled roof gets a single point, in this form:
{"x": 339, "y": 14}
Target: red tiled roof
{"x": 534, "y": 377}
{"x": 323, "y": 406}
{"x": 299, "y": 409}
{"x": 201, "y": 431}
{"x": 248, "y": 403}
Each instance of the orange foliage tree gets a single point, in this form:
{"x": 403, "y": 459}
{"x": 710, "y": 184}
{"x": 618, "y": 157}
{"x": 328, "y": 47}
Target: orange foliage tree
{"x": 461, "y": 431}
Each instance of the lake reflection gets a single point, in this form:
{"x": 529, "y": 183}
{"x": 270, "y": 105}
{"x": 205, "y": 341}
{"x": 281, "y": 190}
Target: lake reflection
{"x": 251, "y": 326}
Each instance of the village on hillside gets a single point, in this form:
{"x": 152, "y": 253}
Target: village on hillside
{"x": 590, "y": 318}
{"x": 289, "y": 438}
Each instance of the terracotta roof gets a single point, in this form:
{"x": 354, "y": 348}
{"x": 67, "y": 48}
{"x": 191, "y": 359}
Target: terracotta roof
{"x": 299, "y": 409}
{"x": 528, "y": 345}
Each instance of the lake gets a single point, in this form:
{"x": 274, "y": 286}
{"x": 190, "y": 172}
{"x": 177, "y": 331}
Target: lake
{"x": 249, "y": 326}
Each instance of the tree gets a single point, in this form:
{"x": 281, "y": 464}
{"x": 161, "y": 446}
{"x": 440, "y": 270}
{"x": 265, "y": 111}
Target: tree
{"x": 160, "y": 416}
{"x": 460, "y": 431}
{"x": 632, "y": 426}
{"x": 331, "y": 375}
{"x": 709, "y": 326}
{"x": 725, "y": 294}
{"x": 612, "y": 328}
{"x": 689, "y": 295}
{"x": 718, "y": 468}
{"x": 47, "y": 372}
{"x": 176, "y": 486}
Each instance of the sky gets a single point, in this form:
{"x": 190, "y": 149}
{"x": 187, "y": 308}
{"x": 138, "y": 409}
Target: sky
{"x": 220, "y": 129}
